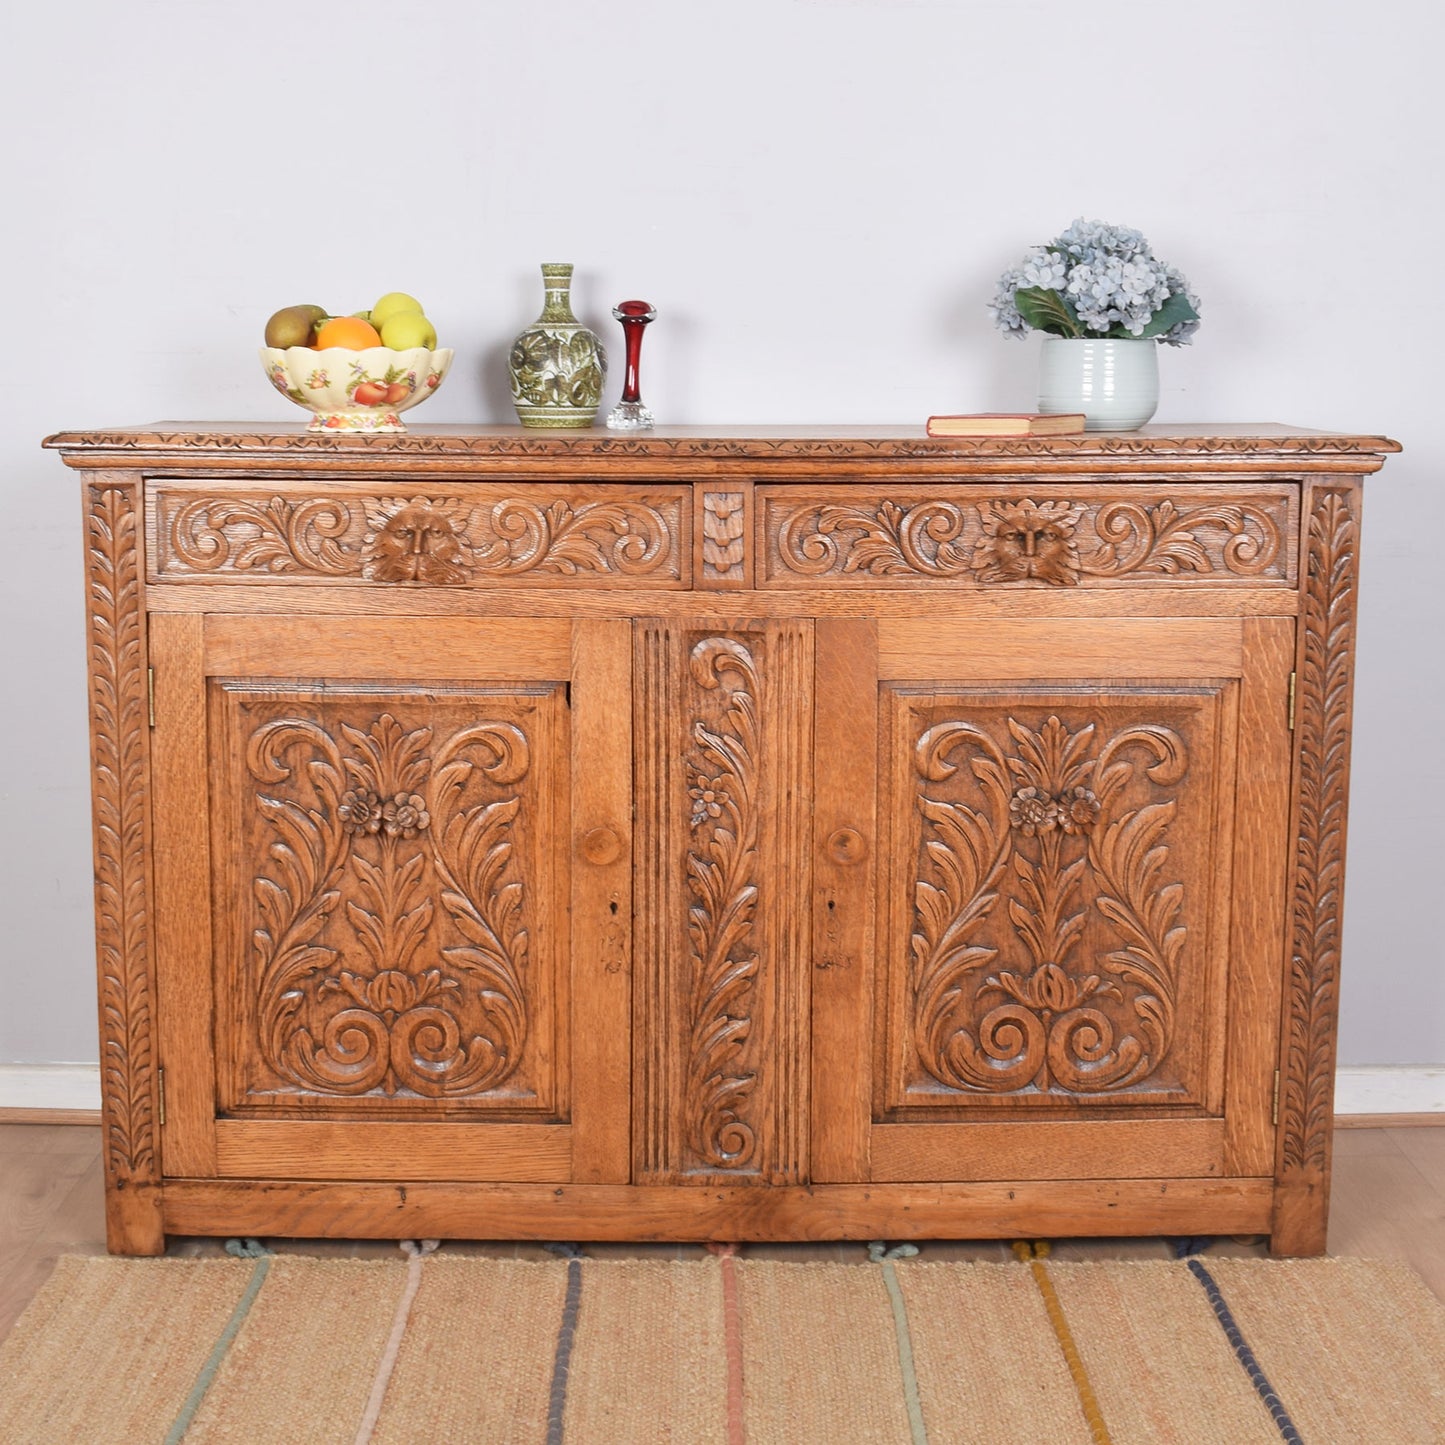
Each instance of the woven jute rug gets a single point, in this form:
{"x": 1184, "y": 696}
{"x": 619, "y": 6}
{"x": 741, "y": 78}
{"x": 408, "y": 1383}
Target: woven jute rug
{"x": 439, "y": 1348}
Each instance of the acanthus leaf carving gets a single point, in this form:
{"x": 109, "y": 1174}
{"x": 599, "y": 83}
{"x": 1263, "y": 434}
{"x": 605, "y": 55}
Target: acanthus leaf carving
{"x": 1055, "y": 812}
{"x": 438, "y": 541}
{"x": 1050, "y": 541}
{"x": 380, "y": 810}
{"x": 1168, "y": 539}
{"x": 722, "y": 874}
{"x": 119, "y": 726}
{"x": 629, "y": 538}
{"x": 1326, "y": 680}
{"x": 482, "y": 894}
{"x": 724, "y": 546}
{"x": 272, "y": 534}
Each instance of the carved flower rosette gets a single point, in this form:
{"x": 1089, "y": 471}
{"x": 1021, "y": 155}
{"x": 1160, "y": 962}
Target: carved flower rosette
{"x": 390, "y": 946}
{"x": 1047, "y": 919}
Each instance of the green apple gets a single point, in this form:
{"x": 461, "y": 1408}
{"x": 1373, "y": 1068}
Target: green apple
{"x": 393, "y": 304}
{"x": 405, "y": 329}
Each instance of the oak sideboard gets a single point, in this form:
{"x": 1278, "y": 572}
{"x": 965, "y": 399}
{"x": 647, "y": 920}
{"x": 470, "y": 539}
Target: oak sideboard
{"x": 762, "y": 834}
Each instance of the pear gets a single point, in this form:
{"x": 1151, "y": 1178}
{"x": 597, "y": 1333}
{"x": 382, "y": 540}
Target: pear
{"x": 393, "y": 304}
{"x": 404, "y": 329}
{"x": 294, "y": 325}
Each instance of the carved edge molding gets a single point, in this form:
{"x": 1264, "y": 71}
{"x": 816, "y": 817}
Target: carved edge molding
{"x": 657, "y": 770}
{"x": 1250, "y": 449}
{"x": 119, "y": 721}
{"x": 1323, "y": 691}
{"x": 787, "y": 925}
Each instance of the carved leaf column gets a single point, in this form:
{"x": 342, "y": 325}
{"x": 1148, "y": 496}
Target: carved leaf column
{"x": 723, "y": 720}
{"x": 1325, "y": 687}
{"x": 119, "y": 727}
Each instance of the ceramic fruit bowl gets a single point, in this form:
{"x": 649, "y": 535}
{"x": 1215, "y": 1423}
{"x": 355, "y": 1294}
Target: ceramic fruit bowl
{"x": 356, "y": 390}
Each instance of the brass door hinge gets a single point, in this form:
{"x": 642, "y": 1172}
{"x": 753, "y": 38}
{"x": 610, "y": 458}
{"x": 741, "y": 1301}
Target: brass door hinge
{"x": 151, "y": 694}
{"x": 1291, "y": 701}
{"x": 161, "y": 1095}
{"x": 1275, "y": 1110}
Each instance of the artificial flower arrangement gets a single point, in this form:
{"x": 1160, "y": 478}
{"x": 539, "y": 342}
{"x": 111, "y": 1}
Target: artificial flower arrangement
{"x": 1096, "y": 281}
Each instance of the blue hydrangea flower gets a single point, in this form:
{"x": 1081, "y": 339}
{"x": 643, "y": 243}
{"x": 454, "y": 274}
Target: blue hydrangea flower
{"x": 1002, "y": 309}
{"x": 1043, "y": 267}
{"x": 1105, "y": 276}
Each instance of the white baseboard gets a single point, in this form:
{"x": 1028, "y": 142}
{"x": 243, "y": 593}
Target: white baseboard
{"x": 49, "y": 1086}
{"x": 1357, "y": 1090}
{"x": 1419, "y": 1090}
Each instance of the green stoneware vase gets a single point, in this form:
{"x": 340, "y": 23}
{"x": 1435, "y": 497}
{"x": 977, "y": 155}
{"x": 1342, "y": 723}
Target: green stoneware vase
{"x": 557, "y": 366}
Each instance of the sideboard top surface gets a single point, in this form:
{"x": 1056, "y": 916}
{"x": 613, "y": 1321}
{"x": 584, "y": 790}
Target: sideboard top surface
{"x": 1213, "y": 446}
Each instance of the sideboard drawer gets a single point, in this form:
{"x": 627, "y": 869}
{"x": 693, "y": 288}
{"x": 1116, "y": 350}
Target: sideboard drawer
{"x": 1081, "y": 533}
{"x": 473, "y": 534}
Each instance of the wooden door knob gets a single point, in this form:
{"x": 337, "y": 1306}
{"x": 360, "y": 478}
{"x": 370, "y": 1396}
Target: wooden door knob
{"x": 601, "y": 846}
{"x": 847, "y": 845}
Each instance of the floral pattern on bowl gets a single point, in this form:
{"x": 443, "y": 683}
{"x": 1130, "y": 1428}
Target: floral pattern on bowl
{"x": 356, "y": 390}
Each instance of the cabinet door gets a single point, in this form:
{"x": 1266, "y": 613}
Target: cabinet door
{"x": 393, "y": 892}
{"x": 1062, "y": 959}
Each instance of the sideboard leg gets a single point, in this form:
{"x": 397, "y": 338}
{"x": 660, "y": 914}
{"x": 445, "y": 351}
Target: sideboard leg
{"x": 1301, "y": 1215}
{"x": 133, "y": 1220}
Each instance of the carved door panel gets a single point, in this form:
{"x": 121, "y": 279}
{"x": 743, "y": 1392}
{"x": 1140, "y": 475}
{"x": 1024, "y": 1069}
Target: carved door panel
{"x": 393, "y": 869}
{"x": 1079, "y": 873}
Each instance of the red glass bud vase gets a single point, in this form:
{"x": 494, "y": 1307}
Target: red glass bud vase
{"x": 630, "y": 414}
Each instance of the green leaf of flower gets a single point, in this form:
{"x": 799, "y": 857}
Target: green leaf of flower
{"x": 1045, "y": 310}
{"x": 1170, "y": 314}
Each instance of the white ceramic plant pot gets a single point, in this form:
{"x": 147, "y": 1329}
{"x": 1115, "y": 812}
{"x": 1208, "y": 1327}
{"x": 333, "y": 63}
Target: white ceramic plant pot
{"x": 1114, "y": 383}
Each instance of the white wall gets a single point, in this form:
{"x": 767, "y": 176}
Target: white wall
{"x": 817, "y": 195}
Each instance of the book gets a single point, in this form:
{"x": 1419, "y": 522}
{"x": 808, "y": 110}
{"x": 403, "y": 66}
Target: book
{"x": 1006, "y": 424}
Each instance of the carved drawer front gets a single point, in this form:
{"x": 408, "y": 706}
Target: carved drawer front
{"x": 1053, "y": 891}
{"x": 465, "y": 535}
{"x": 1028, "y": 533}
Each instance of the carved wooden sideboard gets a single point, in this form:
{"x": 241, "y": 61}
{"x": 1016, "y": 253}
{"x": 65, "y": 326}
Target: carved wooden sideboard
{"x": 837, "y": 834}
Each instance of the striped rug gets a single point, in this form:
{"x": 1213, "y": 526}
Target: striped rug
{"x": 440, "y": 1348}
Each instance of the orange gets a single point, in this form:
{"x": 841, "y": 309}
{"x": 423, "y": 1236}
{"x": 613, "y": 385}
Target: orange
{"x": 348, "y": 331}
